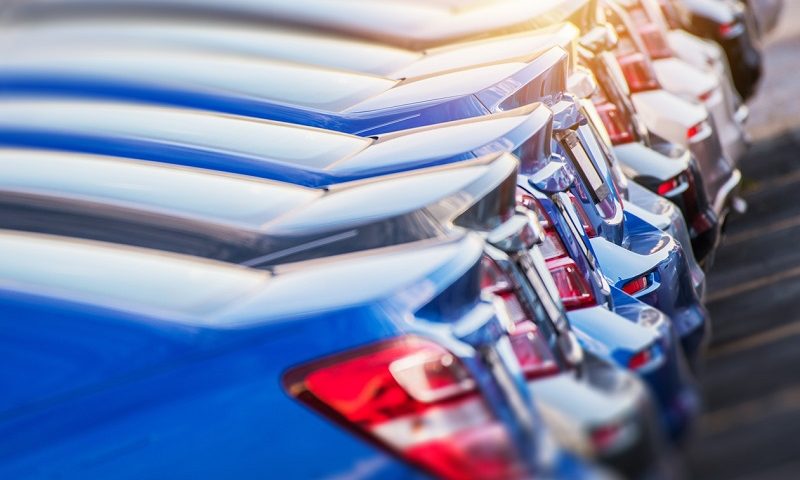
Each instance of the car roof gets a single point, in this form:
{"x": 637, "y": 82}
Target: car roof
{"x": 240, "y": 145}
{"x": 206, "y": 293}
{"x": 242, "y": 219}
{"x": 285, "y": 43}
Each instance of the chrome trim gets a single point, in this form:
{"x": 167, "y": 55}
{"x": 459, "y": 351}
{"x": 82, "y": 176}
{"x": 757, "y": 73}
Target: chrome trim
{"x": 724, "y": 192}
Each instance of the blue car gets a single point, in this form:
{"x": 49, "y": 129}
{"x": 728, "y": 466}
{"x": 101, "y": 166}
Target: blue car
{"x": 280, "y": 151}
{"x": 251, "y": 373}
{"x": 394, "y": 51}
{"x": 369, "y": 105}
{"x": 257, "y": 222}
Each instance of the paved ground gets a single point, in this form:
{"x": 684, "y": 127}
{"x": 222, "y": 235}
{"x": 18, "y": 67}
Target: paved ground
{"x": 751, "y": 428}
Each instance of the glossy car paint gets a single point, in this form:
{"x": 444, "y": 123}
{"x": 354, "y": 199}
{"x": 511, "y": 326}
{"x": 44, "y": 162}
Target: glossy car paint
{"x": 704, "y": 54}
{"x": 661, "y": 162}
{"x": 389, "y": 153}
{"x": 150, "y": 406}
{"x": 740, "y": 41}
{"x": 86, "y": 78}
{"x": 695, "y": 85}
{"x": 667, "y": 218}
{"x": 299, "y": 46}
{"x": 670, "y": 117}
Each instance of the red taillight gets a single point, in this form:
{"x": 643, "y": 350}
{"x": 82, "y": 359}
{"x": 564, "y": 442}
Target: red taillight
{"x": 703, "y": 97}
{"x": 572, "y": 287}
{"x": 551, "y": 246}
{"x": 584, "y": 218}
{"x": 695, "y": 130}
{"x": 638, "y": 72}
{"x": 730, "y": 29}
{"x": 415, "y": 398}
{"x": 646, "y": 357}
{"x": 654, "y": 41}
{"x": 533, "y": 353}
{"x": 635, "y": 286}
{"x": 640, "y": 359}
{"x": 618, "y": 125}
{"x": 669, "y": 185}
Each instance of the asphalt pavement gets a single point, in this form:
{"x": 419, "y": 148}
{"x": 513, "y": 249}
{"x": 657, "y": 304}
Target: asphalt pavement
{"x": 751, "y": 380}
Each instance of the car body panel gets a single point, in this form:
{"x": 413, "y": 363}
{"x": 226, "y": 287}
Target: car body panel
{"x": 148, "y": 418}
{"x": 160, "y": 206}
{"x": 400, "y": 148}
{"x": 522, "y": 43}
{"x": 666, "y": 216}
{"x": 684, "y": 79}
{"x": 670, "y": 117}
{"x": 48, "y": 124}
{"x": 741, "y": 48}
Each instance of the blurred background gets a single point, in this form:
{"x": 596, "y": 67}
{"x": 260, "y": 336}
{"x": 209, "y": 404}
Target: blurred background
{"x": 751, "y": 380}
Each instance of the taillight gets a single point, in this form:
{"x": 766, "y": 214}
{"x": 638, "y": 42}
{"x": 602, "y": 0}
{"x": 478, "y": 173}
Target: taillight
{"x": 619, "y": 127}
{"x": 730, "y": 29}
{"x": 534, "y": 355}
{"x": 703, "y": 97}
{"x": 532, "y": 351}
{"x": 670, "y": 14}
{"x": 584, "y": 218}
{"x": 551, "y": 246}
{"x": 644, "y": 357}
{"x": 695, "y": 130}
{"x": 572, "y": 287}
{"x": 654, "y": 41}
{"x": 638, "y": 72}
{"x": 415, "y": 398}
{"x": 636, "y": 285}
{"x": 670, "y": 185}
{"x": 639, "y": 360}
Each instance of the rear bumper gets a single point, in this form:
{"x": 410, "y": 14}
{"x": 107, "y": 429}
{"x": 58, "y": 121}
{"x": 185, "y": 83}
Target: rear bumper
{"x": 719, "y": 176}
{"x": 664, "y": 215}
{"x": 670, "y": 381}
{"x": 731, "y": 134}
{"x": 671, "y": 289}
{"x": 602, "y": 398}
{"x": 726, "y": 191}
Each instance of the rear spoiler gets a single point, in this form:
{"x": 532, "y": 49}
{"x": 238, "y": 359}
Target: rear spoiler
{"x": 367, "y": 214}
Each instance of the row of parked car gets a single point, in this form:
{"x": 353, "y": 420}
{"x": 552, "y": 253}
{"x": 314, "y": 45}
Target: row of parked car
{"x": 362, "y": 238}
